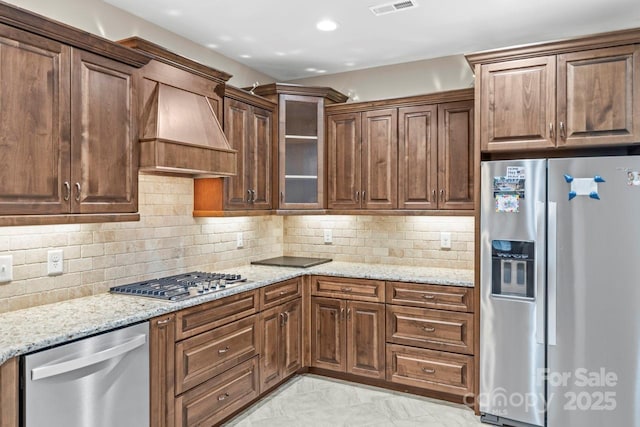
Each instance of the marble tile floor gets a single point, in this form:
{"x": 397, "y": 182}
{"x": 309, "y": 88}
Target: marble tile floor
{"x": 314, "y": 401}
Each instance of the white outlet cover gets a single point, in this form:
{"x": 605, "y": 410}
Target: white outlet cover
{"x": 239, "y": 240}
{"x": 445, "y": 240}
{"x": 6, "y": 268}
{"x": 328, "y": 236}
{"x": 55, "y": 265}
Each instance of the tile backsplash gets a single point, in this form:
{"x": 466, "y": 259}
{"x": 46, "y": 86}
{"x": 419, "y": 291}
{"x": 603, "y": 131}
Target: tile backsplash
{"x": 408, "y": 240}
{"x": 169, "y": 240}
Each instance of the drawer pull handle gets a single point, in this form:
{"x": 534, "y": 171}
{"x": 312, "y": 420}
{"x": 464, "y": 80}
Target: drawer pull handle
{"x": 428, "y": 371}
{"x": 429, "y": 329}
{"x": 223, "y": 350}
{"x": 283, "y": 292}
{"x": 347, "y": 289}
{"x": 282, "y": 319}
{"x": 163, "y": 322}
{"x": 223, "y": 397}
{"x": 427, "y": 296}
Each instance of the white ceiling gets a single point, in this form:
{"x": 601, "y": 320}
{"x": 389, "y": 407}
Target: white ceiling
{"x": 279, "y": 37}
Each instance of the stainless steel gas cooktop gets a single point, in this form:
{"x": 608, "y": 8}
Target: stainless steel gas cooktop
{"x": 180, "y": 286}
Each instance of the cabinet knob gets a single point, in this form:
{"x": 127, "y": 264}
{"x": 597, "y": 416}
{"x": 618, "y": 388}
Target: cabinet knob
{"x": 428, "y": 371}
{"x": 67, "y": 191}
{"x": 78, "y": 191}
{"x": 223, "y": 350}
{"x": 223, "y": 396}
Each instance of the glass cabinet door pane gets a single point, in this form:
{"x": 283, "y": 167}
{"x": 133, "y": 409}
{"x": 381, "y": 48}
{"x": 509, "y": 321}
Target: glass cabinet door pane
{"x": 301, "y": 190}
{"x": 302, "y": 157}
{"x": 301, "y": 118}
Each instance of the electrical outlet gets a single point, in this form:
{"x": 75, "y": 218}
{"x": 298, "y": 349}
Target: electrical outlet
{"x": 239, "y": 240}
{"x": 54, "y": 262}
{"x": 6, "y": 268}
{"x": 328, "y": 236}
{"x": 445, "y": 240}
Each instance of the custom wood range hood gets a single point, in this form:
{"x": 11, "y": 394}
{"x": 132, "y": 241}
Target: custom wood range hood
{"x": 180, "y": 102}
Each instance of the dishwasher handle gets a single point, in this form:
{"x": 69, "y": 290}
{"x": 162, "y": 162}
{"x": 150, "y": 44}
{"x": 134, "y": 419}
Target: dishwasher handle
{"x": 92, "y": 359}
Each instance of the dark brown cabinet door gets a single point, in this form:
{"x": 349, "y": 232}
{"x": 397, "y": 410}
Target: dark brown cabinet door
{"x": 104, "y": 162}
{"x": 271, "y": 325}
{"x": 417, "y": 157}
{"x": 34, "y": 124}
{"x": 236, "y": 124}
{"x": 249, "y": 130}
{"x": 344, "y": 160}
{"x": 455, "y": 155}
{"x": 380, "y": 159}
{"x": 162, "y": 368}
{"x": 365, "y": 339}
{"x": 517, "y": 101}
{"x": 328, "y": 341}
{"x": 292, "y": 337}
{"x": 259, "y": 141}
{"x": 599, "y": 97}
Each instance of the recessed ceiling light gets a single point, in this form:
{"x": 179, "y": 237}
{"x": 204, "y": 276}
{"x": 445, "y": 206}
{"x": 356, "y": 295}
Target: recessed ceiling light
{"x": 310, "y": 69}
{"x": 349, "y": 64}
{"x": 174, "y": 12}
{"x": 280, "y": 54}
{"x": 225, "y": 38}
{"x": 326, "y": 25}
{"x": 244, "y": 55}
{"x": 212, "y": 46}
{"x": 321, "y": 71}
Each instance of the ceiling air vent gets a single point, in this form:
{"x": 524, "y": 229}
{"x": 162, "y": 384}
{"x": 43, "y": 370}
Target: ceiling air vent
{"x": 383, "y": 9}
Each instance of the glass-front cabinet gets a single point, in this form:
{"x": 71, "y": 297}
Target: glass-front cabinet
{"x": 301, "y": 152}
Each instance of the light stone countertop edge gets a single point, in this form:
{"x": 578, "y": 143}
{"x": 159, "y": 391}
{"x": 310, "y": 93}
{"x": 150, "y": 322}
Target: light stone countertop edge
{"x": 32, "y": 329}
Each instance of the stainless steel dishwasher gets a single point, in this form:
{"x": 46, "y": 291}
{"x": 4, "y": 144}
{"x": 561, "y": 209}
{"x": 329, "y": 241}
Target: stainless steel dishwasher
{"x": 100, "y": 381}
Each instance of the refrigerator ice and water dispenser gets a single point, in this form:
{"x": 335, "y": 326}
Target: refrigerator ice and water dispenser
{"x": 512, "y": 268}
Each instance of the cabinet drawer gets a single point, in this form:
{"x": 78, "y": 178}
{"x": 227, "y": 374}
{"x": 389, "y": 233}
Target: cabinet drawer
{"x": 451, "y": 298}
{"x": 354, "y": 289}
{"x": 201, "y": 318}
{"x": 211, "y": 402}
{"x": 272, "y": 295}
{"x": 434, "y": 370}
{"x": 211, "y": 353}
{"x": 439, "y": 330}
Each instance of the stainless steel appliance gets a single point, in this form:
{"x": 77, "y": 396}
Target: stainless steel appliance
{"x": 180, "y": 286}
{"x": 560, "y": 264}
{"x": 100, "y": 381}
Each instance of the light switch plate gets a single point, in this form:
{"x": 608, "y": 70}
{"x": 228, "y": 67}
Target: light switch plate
{"x": 239, "y": 240}
{"x": 55, "y": 264}
{"x": 445, "y": 240}
{"x": 328, "y": 236}
{"x": 6, "y": 268}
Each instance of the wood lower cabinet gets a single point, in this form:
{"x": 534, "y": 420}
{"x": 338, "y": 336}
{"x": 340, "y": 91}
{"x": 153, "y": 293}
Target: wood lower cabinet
{"x": 162, "y": 337}
{"x": 281, "y": 356}
{"x": 208, "y": 354}
{"x": 352, "y": 289}
{"x": 216, "y": 399}
{"x": 9, "y": 393}
{"x": 451, "y": 298}
{"x": 434, "y": 370}
{"x": 348, "y": 336}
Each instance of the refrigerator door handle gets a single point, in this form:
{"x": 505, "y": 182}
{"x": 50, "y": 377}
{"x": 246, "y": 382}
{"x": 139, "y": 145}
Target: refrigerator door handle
{"x": 552, "y": 256}
{"x": 540, "y": 270}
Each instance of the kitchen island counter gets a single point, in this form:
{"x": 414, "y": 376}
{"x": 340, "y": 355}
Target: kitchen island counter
{"x": 31, "y": 329}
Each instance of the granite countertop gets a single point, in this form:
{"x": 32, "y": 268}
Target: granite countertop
{"x": 36, "y": 328}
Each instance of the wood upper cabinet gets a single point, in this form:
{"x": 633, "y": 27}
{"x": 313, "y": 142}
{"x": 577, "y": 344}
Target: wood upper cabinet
{"x": 281, "y": 356}
{"x": 68, "y": 129}
{"x": 34, "y": 124}
{"x": 249, "y": 129}
{"x": 565, "y": 94}
{"x": 517, "y": 104}
{"x": 599, "y": 96}
{"x": 455, "y": 155}
{"x": 348, "y": 336}
{"x": 104, "y": 161}
{"x": 362, "y": 160}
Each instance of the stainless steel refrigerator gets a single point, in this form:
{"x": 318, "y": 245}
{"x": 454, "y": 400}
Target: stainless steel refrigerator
{"x": 560, "y": 292}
